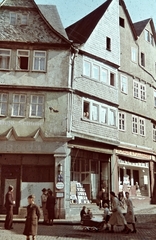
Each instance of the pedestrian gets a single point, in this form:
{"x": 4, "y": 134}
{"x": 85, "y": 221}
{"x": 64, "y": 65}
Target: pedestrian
{"x": 117, "y": 217}
{"x": 89, "y": 214}
{"x": 32, "y": 218}
{"x": 50, "y": 205}
{"x": 102, "y": 198}
{"x": 44, "y": 197}
{"x": 106, "y": 215}
{"x": 122, "y": 200}
{"x": 9, "y": 202}
{"x": 83, "y": 213}
{"x": 130, "y": 218}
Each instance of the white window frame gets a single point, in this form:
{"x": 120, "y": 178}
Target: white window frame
{"x": 133, "y": 54}
{"x": 3, "y": 104}
{"x": 84, "y": 69}
{"x": 24, "y": 23}
{"x": 5, "y": 56}
{"x": 106, "y": 115}
{"x": 19, "y": 105}
{"x": 37, "y": 104}
{"x": 122, "y": 121}
{"x": 124, "y": 82}
{"x": 154, "y": 132}
{"x": 39, "y": 59}
{"x": 18, "y": 55}
{"x": 139, "y": 124}
{"x": 15, "y": 15}
{"x": 139, "y": 90}
{"x": 95, "y": 66}
{"x": 110, "y": 117}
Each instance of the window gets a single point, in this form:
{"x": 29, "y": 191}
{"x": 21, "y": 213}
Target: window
{"x": 87, "y": 68}
{"x": 96, "y": 72}
{"x": 154, "y": 132}
{"x": 112, "y": 79}
{"x": 112, "y": 117}
{"x": 108, "y": 43}
{"x": 3, "y": 104}
{"x": 122, "y": 22}
{"x": 95, "y": 112}
{"x": 104, "y": 75}
{"x": 39, "y": 61}
{"x": 19, "y": 104}
{"x": 104, "y": 115}
{"x": 24, "y": 19}
{"x": 154, "y": 98}
{"x": 138, "y": 125}
{"x": 142, "y": 127}
{"x": 152, "y": 40}
{"x": 139, "y": 90}
{"x": 134, "y": 124}
{"x": 36, "y": 107}
{"x": 122, "y": 121}
{"x": 13, "y": 18}
{"x": 5, "y": 59}
{"x": 86, "y": 109}
{"x": 133, "y": 54}
{"x": 143, "y": 59}
{"x": 147, "y": 36}
{"x": 124, "y": 87}
{"x": 22, "y": 60}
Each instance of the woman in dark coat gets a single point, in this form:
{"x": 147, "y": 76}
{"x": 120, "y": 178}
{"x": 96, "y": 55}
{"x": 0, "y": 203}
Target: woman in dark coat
{"x": 32, "y": 218}
{"x": 50, "y": 207}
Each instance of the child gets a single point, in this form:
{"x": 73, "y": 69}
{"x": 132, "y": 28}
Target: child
{"x": 89, "y": 214}
{"x": 106, "y": 215}
{"x": 32, "y": 218}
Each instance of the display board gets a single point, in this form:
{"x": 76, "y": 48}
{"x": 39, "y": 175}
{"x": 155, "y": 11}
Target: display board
{"x": 28, "y": 188}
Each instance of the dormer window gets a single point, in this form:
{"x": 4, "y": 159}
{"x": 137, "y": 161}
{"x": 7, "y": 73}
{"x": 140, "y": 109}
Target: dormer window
{"x": 149, "y": 37}
{"x": 18, "y": 19}
{"x": 24, "y": 19}
{"x": 13, "y": 18}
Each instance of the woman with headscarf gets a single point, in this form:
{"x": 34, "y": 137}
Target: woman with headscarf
{"x": 117, "y": 217}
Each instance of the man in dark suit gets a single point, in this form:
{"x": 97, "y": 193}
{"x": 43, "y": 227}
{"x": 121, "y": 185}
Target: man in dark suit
{"x": 9, "y": 202}
{"x": 50, "y": 205}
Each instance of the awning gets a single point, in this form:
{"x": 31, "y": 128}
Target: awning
{"x": 91, "y": 149}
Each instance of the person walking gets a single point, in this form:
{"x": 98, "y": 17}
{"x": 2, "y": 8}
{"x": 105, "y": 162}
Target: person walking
{"x": 117, "y": 217}
{"x": 44, "y": 197}
{"x": 32, "y": 218}
{"x": 50, "y": 205}
{"x": 122, "y": 201}
{"x": 9, "y": 202}
{"x": 130, "y": 218}
{"x": 102, "y": 198}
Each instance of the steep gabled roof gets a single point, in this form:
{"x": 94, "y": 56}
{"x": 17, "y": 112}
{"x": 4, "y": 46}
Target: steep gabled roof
{"x": 140, "y": 26}
{"x": 80, "y": 31}
{"x": 51, "y": 14}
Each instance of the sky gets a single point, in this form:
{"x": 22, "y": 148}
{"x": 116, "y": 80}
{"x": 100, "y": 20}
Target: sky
{"x": 71, "y": 11}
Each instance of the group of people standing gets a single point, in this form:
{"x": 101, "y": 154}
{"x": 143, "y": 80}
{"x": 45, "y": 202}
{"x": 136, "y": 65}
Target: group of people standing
{"x": 33, "y": 211}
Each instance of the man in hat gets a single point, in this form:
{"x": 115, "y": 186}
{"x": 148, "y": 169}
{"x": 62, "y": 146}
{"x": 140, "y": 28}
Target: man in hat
{"x": 44, "y": 201}
{"x": 9, "y": 202}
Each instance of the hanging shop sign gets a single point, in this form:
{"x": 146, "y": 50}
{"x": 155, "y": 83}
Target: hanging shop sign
{"x": 59, "y": 185}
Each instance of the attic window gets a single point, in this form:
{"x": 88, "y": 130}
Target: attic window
{"x": 149, "y": 37}
{"x": 122, "y": 22}
{"x": 22, "y": 60}
{"x": 108, "y": 43}
{"x": 24, "y": 19}
{"x": 13, "y": 18}
{"x": 143, "y": 59}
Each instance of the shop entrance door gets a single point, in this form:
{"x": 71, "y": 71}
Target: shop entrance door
{"x": 136, "y": 176}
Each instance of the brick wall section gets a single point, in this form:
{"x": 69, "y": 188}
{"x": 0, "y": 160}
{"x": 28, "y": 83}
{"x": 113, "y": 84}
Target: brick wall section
{"x": 105, "y": 133}
{"x": 107, "y": 26}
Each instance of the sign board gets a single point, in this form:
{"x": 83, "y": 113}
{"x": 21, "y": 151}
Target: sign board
{"x": 60, "y": 194}
{"x": 59, "y": 185}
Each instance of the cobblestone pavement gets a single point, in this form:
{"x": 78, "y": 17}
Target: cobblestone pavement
{"x": 69, "y": 232}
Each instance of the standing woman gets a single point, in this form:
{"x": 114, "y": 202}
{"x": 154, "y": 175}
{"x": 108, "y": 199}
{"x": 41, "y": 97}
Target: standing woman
{"x": 32, "y": 218}
{"x": 50, "y": 207}
{"x": 122, "y": 200}
{"x": 130, "y": 218}
{"x": 117, "y": 217}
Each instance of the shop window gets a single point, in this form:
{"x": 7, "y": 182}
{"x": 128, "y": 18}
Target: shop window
{"x": 124, "y": 83}
{"x": 22, "y": 60}
{"x": 39, "y": 61}
{"x": 122, "y": 121}
{"x": 5, "y": 55}
{"x": 3, "y": 104}
{"x": 143, "y": 59}
{"x": 86, "y": 109}
{"x": 37, "y": 106}
{"x": 122, "y": 22}
{"x": 112, "y": 79}
{"x": 19, "y": 105}
{"x": 108, "y": 43}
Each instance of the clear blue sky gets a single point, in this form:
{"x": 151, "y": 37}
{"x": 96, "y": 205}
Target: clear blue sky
{"x": 72, "y": 10}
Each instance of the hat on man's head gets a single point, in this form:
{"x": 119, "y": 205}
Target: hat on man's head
{"x": 44, "y": 190}
{"x": 31, "y": 196}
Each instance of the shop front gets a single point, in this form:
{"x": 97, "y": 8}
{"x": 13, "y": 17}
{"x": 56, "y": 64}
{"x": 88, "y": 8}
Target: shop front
{"x": 134, "y": 173}
{"x": 90, "y": 172}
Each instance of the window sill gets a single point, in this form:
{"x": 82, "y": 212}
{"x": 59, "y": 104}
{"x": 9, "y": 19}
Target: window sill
{"x": 17, "y": 116}
{"x": 38, "y": 71}
{"x": 108, "y": 49}
{"x": 124, "y": 93}
{"x": 35, "y": 117}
